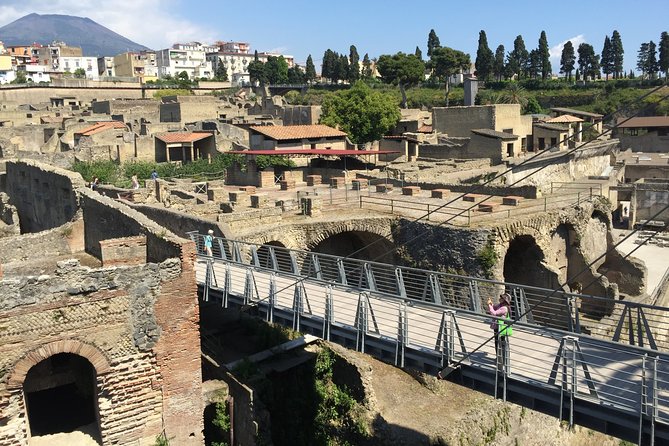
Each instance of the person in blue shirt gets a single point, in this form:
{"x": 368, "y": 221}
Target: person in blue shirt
{"x": 208, "y": 241}
{"x": 154, "y": 175}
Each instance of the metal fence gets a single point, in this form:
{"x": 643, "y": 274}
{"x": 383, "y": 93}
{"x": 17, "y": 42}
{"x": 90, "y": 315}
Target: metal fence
{"x": 616, "y": 320}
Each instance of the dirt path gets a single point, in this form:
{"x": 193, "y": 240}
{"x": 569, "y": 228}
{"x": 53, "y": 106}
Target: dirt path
{"x": 83, "y": 436}
{"x": 413, "y": 409}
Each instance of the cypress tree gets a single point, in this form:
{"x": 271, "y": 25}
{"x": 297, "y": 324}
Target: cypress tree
{"x": 432, "y": 42}
{"x": 484, "y": 57}
{"x": 567, "y": 59}
{"x": 664, "y": 54}
{"x": 617, "y": 53}
{"x": 310, "y": 73}
{"x": 353, "y": 64}
{"x": 544, "y": 56}
{"x": 607, "y": 58}
{"x": 498, "y": 65}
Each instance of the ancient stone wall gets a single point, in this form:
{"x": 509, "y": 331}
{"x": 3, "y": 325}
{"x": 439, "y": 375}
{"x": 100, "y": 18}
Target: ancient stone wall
{"x": 179, "y": 222}
{"x": 35, "y": 95}
{"x": 44, "y": 196}
{"x": 459, "y": 121}
{"x": 54, "y": 242}
{"x": 123, "y": 251}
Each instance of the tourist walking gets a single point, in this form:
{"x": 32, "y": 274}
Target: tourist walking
{"x": 135, "y": 182}
{"x": 208, "y": 242}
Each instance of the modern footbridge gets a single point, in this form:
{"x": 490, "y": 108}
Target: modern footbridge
{"x": 587, "y": 360}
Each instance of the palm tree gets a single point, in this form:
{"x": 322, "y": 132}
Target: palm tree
{"x": 516, "y": 94}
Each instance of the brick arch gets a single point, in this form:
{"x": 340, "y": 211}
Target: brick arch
{"x": 336, "y": 228}
{"x": 93, "y": 354}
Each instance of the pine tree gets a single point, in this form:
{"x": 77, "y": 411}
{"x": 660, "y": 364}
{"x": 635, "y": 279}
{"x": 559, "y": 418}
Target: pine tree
{"x": 341, "y": 67}
{"x": 432, "y": 42}
{"x": 544, "y": 56}
{"x": 588, "y": 61}
{"x": 418, "y": 53}
{"x": 366, "y": 67}
{"x": 353, "y": 65}
{"x": 642, "y": 59}
{"x": 652, "y": 65}
{"x": 607, "y": 58}
{"x": 498, "y": 66}
{"x": 310, "y": 71}
{"x": 328, "y": 66}
{"x": 517, "y": 59}
{"x": 484, "y": 58}
{"x": 221, "y": 73}
{"x": 617, "y": 53}
{"x": 567, "y": 59}
{"x": 664, "y": 54}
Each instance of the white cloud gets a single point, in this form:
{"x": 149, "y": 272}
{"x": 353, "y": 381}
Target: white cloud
{"x": 556, "y": 51}
{"x": 147, "y": 22}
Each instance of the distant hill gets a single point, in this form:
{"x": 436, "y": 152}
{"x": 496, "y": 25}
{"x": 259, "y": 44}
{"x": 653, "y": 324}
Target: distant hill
{"x": 93, "y": 38}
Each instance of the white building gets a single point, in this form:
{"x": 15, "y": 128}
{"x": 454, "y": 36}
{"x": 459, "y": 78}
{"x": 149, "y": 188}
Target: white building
{"x": 236, "y": 57}
{"x": 72, "y": 64}
{"x": 190, "y": 57}
{"x": 37, "y": 73}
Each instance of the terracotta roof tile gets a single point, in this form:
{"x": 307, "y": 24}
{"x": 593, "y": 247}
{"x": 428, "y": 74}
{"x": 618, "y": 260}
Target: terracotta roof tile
{"x": 564, "y": 119}
{"x": 101, "y": 127}
{"x": 181, "y": 137}
{"x": 298, "y": 131}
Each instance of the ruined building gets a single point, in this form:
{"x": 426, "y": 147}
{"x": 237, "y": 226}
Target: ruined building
{"x": 113, "y": 347}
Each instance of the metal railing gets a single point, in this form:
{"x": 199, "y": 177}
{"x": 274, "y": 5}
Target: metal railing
{"x": 580, "y": 375}
{"x": 621, "y": 321}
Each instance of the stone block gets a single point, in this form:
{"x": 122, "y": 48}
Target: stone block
{"x": 287, "y": 184}
{"x": 440, "y": 193}
{"x": 384, "y": 188}
{"x": 360, "y": 183}
{"x": 472, "y": 197}
{"x": 411, "y": 190}
{"x": 217, "y": 194}
{"x": 512, "y": 200}
{"x": 488, "y": 207}
{"x": 239, "y": 198}
{"x": 338, "y": 182}
{"x": 260, "y": 201}
{"x": 314, "y": 180}
{"x": 312, "y": 206}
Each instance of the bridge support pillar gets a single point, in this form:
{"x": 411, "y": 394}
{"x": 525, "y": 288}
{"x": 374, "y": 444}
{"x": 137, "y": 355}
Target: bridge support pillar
{"x": 402, "y": 335}
{"x": 271, "y": 298}
{"x": 362, "y": 322}
{"x": 328, "y": 318}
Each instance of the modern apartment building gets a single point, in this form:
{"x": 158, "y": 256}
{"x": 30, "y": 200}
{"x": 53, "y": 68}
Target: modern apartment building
{"x": 190, "y": 58}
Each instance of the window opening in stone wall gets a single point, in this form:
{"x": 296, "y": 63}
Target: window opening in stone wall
{"x": 61, "y": 396}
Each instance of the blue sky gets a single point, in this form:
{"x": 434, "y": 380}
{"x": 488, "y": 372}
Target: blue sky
{"x": 302, "y": 27}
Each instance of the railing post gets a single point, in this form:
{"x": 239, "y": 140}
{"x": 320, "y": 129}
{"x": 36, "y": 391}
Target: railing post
{"x": 297, "y": 306}
{"x": 469, "y": 217}
{"x": 392, "y": 208}
{"x": 361, "y": 322}
{"x": 643, "y": 397}
{"x": 328, "y": 318}
{"x": 573, "y": 381}
{"x": 227, "y": 285}
{"x": 428, "y": 212}
{"x": 655, "y": 403}
{"x": 272, "y": 298}
{"x": 402, "y": 333}
{"x": 545, "y": 203}
{"x": 578, "y": 197}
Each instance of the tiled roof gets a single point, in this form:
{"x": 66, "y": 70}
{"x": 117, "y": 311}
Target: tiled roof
{"x": 646, "y": 121}
{"x": 564, "y": 119}
{"x": 494, "y": 134}
{"x": 101, "y": 127}
{"x": 425, "y": 129}
{"x": 287, "y": 132}
{"x": 554, "y": 127}
{"x": 181, "y": 137}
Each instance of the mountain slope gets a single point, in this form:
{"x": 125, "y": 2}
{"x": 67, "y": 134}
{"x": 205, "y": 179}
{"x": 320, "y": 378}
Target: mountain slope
{"x": 93, "y": 38}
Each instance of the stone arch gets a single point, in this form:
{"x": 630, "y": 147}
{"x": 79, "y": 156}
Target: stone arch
{"x": 601, "y": 216}
{"x": 359, "y": 244}
{"x": 95, "y": 356}
{"x": 281, "y": 256}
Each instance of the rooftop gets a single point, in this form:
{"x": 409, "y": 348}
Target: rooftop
{"x": 289, "y": 132}
{"x": 495, "y": 134}
{"x": 101, "y": 127}
{"x": 551, "y": 126}
{"x": 564, "y": 119}
{"x": 181, "y": 137}
{"x": 643, "y": 122}
{"x": 574, "y": 112}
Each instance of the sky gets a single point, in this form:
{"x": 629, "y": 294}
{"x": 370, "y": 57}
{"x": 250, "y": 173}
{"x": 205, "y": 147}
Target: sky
{"x": 302, "y": 27}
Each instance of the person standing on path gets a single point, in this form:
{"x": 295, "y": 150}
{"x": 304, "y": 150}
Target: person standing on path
{"x": 501, "y": 313}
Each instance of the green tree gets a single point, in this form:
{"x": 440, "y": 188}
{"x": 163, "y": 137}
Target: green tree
{"x": 617, "y": 54}
{"x": 544, "y": 56}
{"x": 484, "y": 57}
{"x": 364, "y": 114}
{"x": 517, "y": 59}
{"x": 353, "y": 64}
{"x": 664, "y": 54}
{"x": 20, "y": 77}
{"x": 533, "y": 64}
{"x": 296, "y": 75}
{"x": 567, "y": 59}
{"x": 310, "y": 73}
{"x": 257, "y": 72}
{"x": 341, "y": 68}
{"x": 79, "y": 73}
{"x": 183, "y": 76}
{"x": 221, "y": 73}
{"x": 366, "y": 67}
{"x": 432, "y": 42}
{"x": 276, "y": 70}
{"x": 498, "y": 66}
{"x": 445, "y": 62}
{"x": 401, "y": 69}
{"x": 418, "y": 53}
{"x": 652, "y": 66}
{"x": 328, "y": 64}
{"x": 607, "y": 58}
{"x": 588, "y": 61}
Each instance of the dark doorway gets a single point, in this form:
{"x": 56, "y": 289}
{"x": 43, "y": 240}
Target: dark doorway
{"x": 60, "y": 394}
{"x": 359, "y": 245}
{"x": 281, "y": 257}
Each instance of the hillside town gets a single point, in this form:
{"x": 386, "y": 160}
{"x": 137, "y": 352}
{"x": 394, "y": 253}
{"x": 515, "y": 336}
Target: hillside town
{"x": 195, "y": 250}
